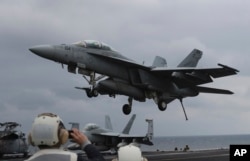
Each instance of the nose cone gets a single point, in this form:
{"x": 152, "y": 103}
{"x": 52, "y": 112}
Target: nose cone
{"x": 46, "y": 51}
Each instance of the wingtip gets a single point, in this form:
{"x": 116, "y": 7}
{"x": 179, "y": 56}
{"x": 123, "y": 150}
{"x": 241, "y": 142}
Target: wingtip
{"x": 227, "y": 67}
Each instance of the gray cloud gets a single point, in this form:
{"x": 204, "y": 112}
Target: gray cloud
{"x": 139, "y": 29}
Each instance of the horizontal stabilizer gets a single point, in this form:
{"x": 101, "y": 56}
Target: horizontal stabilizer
{"x": 213, "y": 90}
{"x": 83, "y": 88}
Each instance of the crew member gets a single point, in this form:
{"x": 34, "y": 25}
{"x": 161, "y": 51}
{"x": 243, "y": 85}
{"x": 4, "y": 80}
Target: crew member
{"x": 130, "y": 153}
{"x": 49, "y": 134}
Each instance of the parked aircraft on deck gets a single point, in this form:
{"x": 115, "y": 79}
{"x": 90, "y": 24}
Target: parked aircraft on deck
{"x": 106, "y": 139}
{"x": 12, "y": 141}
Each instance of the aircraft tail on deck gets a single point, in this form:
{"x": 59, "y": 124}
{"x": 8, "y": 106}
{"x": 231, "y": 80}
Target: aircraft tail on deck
{"x": 159, "y": 62}
{"x": 129, "y": 125}
{"x": 192, "y": 59}
{"x": 150, "y": 132}
{"x": 108, "y": 124}
{"x": 74, "y": 125}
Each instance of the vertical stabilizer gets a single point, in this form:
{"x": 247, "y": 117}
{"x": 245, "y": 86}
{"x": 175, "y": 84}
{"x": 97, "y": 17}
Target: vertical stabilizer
{"x": 129, "y": 125}
{"x": 192, "y": 59}
{"x": 108, "y": 124}
{"x": 74, "y": 125}
{"x": 159, "y": 62}
{"x": 150, "y": 132}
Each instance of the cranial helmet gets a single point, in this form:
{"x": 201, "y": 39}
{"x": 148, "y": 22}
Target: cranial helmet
{"x": 48, "y": 129}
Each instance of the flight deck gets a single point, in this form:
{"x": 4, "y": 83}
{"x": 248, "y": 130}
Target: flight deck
{"x": 202, "y": 155}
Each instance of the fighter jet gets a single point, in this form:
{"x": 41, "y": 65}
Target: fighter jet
{"x": 106, "y": 139}
{"x": 110, "y": 73}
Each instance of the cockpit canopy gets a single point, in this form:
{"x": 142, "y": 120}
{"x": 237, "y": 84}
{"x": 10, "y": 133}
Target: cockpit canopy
{"x": 93, "y": 44}
{"x": 91, "y": 126}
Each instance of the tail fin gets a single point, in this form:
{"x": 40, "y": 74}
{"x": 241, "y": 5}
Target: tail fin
{"x": 74, "y": 125}
{"x": 150, "y": 132}
{"x": 159, "y": 62}
{"x": 129, "y": 125}
{"x": 192, "y": 59}
{"x": 108, "y": 124}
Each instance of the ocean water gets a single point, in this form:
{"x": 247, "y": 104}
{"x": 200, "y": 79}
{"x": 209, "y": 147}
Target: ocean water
{"x": 196, "y": 142}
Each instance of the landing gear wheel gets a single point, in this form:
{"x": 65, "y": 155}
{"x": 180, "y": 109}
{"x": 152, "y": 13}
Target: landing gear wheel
{"x": 162, "y": 105}
{"x": 126, "y": 109}
{"x": 25, "y": 154}
{"x": 94, "y": 93}
{"x": 89, "y": 93}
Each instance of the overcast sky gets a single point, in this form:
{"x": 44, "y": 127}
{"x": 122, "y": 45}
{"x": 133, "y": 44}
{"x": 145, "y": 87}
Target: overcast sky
{"x": 140, "y": 30}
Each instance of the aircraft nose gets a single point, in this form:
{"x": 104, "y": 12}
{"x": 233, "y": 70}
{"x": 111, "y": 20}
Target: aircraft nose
{"x": 46, "y": 51}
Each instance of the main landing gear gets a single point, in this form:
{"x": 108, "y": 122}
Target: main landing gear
{"x": 127, "y": 107}
{"x": 162, "y": 105}
{"x": 91, "y": 91}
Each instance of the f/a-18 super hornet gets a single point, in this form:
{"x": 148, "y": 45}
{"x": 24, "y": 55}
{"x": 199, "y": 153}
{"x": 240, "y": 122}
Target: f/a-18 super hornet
{"x": 106, "y": 139}
{"x": 110, "y": 73}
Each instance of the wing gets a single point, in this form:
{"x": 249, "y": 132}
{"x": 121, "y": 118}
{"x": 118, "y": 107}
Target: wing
{"x": 136, "y": 138}
{"x": 120, "y": 59}
{"x": 197, "y": 75}
{"x": 220, "y": 72}
{"x": 127, "y": 138}
{"x": 107, "y": 134}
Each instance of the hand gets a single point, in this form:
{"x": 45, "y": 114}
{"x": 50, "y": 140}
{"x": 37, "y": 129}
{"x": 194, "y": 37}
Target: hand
{"x": 78, "y": 137}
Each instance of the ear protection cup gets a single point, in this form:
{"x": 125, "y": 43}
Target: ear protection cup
{"x": 63, "y": 136}
{"x": 30, "y": 140}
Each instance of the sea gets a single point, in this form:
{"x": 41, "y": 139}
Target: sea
{"x": 171, "y": 143}
{"x": 195, "y": 143}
